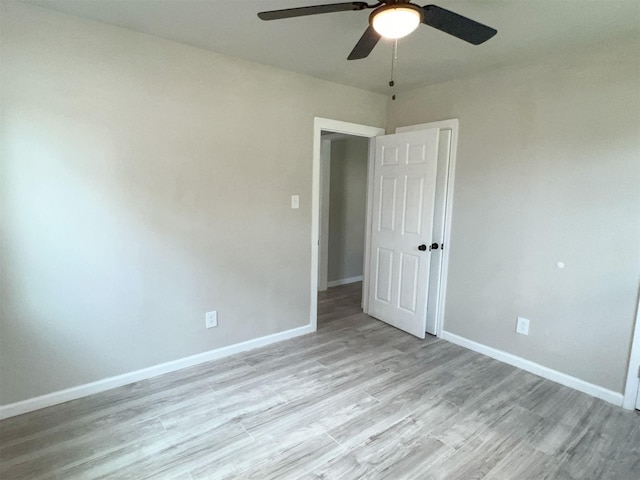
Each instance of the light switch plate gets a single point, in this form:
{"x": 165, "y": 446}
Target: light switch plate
{"x": 295, "y": 201}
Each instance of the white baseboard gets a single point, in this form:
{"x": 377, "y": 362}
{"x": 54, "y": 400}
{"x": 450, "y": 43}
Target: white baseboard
{"x": 537, "y": 369}
{"x": 344, "y": 281}
{"x": 61, "y": 396}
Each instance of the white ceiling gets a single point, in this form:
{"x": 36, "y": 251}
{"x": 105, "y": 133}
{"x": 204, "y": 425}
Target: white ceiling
{"x": 318, "y": 45}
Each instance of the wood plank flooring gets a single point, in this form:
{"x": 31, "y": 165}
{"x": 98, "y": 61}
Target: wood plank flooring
{"x": 357, "y": 399}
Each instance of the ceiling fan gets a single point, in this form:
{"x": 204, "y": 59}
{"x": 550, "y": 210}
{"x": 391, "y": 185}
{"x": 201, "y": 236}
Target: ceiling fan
{"x": 394, "y": 19}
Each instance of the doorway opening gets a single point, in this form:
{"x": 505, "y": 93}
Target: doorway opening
{"x": 343, "y": 206}
{"x": 332, "y": 129}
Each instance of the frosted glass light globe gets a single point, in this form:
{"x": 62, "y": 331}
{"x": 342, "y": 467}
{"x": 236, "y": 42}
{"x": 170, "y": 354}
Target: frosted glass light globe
{"x": 396, "y": 22}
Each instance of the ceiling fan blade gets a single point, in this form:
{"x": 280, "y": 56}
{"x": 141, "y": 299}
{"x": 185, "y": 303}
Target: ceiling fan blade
{"x": 367, "y": 41}
{"x": 312, "y": 10}
{"x": 462, "y": 27}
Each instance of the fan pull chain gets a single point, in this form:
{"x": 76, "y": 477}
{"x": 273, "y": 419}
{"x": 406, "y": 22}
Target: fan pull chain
{"x": 394, "y": 57}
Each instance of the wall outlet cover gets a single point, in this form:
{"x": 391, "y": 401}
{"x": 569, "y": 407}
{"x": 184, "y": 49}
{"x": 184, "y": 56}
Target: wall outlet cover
{"x": 522, "y": 326}
{"x": 211, "y": 319}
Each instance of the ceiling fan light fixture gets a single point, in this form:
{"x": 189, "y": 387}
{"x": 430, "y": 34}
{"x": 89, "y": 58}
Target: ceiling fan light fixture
{"x": 393, "y": 21}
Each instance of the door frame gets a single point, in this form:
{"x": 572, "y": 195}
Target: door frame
{"x": 328, "y": 125}
{"x": 633, "y": 373}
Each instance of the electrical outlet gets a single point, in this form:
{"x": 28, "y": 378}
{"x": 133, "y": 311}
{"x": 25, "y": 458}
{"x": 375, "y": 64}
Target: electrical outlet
{"x": 522, "y": 326}
{"x": 211, "y": 319}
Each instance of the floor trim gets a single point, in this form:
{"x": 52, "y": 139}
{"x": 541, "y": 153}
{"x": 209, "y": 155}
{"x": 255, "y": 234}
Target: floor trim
{"x": 537, "y": 369}
{"x": 61, "y": 396}
{"x": 344, "y": 281}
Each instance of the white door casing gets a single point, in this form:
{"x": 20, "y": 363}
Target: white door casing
{"x": 632, "y": 388}
{"x": 402, "y": 220}
{"x": 435, "y": 268}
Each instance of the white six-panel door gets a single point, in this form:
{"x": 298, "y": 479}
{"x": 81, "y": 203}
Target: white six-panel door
{"x": 402, "y": 217}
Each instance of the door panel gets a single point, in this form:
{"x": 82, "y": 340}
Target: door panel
{"x": 387, "y": 207}
{"x": 409, "y": 268}
{"x": 384, "y": 275}
{"x": 413, "y": 203}
{"x": 403, "y": 201}
{"x": 417, "y": 154}
{"x": 390, "y": 155}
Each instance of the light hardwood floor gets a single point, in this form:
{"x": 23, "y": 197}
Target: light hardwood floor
{"x": 357, "y": 399}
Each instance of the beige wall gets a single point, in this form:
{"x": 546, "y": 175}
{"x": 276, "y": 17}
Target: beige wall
{"x": 548, "y": 170}
{"x": 347, "y": 207}
{"x": 144, "y": 183}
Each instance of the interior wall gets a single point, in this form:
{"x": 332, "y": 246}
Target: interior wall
{"x": 548, "y": 169}
{"x": 347, "y": 207}
{"x": 143, "y": 183}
